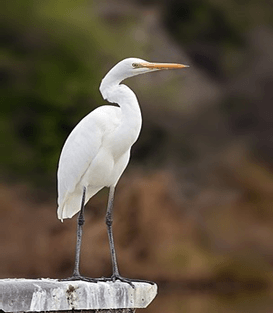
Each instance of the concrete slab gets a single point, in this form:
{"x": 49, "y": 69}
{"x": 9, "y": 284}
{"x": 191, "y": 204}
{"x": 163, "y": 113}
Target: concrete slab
{"x": 36, "y": 295}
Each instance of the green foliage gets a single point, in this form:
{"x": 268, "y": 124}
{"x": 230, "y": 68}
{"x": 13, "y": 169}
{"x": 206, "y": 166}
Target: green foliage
{"x": 52, "y": 58}
{"x": 206, "y": 31}
{"x": 50, "y": 79}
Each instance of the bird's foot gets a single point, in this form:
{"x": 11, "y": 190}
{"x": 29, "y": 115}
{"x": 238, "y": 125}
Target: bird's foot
{"x": 129, "y": 281}
{"x": 79, "y": 277}
{"x": 143, "y": 281}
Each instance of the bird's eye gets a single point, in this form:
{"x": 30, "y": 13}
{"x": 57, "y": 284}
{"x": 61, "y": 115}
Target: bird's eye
{"x": 135, "y": 65}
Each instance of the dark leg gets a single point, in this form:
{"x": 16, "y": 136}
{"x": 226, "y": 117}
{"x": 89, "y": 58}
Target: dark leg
{"x": 109, "y": 221}
{"x": 76, "y": 273}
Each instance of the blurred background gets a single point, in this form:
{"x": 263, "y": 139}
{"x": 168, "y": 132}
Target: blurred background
{"x": 193, "y": 210}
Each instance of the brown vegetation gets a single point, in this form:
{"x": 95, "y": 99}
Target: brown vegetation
{"x": 157, "y": 237}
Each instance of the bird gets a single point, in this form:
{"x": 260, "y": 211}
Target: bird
{"x": 97, "y": 151}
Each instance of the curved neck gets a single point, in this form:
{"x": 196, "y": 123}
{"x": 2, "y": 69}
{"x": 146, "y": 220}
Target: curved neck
{"x": 131, "y": 119}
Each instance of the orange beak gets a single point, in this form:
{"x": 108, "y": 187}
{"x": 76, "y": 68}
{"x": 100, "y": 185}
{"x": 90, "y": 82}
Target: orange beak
{"x": 161, "y": 66}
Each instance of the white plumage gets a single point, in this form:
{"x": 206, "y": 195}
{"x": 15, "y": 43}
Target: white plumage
{"x": 87, "y": 159}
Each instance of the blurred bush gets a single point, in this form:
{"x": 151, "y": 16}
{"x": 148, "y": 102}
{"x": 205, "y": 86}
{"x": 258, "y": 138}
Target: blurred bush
{"x": 49, "y": 73}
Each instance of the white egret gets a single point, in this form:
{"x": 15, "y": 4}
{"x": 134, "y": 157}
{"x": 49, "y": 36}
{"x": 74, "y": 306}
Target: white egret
{"x": 97, "y": 151}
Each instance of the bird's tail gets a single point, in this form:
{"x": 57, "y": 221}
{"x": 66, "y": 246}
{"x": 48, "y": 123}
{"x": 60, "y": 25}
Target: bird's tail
{"x": 71, "y": 204}
{"x": 69, "y": 207}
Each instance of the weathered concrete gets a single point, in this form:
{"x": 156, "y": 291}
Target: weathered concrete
{"x": 36, "y": 295}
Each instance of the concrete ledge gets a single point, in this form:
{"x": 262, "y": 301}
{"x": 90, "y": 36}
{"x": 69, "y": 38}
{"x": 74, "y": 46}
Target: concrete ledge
{"x": 36, "y": 295}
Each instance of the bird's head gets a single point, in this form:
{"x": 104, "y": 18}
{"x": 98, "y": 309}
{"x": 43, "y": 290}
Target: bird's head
{"x": 131, "y": 67}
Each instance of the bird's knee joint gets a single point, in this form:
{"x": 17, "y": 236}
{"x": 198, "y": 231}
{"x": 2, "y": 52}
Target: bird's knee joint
{"x": 81, "y": 220}
{"x": 109, "y": 223}
{"x": 108, "y": 220}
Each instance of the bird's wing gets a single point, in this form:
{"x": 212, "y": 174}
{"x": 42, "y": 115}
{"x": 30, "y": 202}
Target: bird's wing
{"x": 82, "y": 145}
